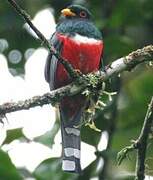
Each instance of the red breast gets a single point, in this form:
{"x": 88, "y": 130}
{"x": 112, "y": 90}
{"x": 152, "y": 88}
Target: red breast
{"x": 83, "y": 53}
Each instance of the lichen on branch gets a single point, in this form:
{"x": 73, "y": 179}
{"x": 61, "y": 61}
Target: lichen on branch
{"x": 82, "y": 83}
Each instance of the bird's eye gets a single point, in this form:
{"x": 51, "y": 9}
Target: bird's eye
{"x": 83, "y": 14}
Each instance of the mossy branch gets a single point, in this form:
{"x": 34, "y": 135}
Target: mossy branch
{"x": 84, "y": 82}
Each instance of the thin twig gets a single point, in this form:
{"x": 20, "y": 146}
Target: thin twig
{"x": 125, "y": 152}
{"x": 83, "y": 82}
{"x": 142, "y": 143}
{"x": 73, "y": 74}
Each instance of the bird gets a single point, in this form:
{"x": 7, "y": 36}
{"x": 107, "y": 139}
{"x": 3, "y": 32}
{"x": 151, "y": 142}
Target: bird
{"x": 79, "y": 41}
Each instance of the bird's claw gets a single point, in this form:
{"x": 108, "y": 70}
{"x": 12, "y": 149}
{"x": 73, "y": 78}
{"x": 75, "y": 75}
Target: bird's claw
{"x": 78, "y": 71}
{"x": 107, "y": 67}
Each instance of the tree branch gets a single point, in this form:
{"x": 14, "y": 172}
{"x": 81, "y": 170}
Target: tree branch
{"x": 52, "y": 97}
{"x": 140, "y": 144}
{"x": 73, "y": 74}
{"x": 125, "y": 63}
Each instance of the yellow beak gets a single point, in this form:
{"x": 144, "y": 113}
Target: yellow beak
{"x": 67, "y": 12}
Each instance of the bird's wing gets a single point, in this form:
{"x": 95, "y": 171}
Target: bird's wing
{"x": 51, "y": 62}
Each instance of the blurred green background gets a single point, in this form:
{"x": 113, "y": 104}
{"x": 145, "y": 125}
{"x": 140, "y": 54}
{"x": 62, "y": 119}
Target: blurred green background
{"x": 126, "y": 26}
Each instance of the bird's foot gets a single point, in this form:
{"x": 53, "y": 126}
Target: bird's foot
{"x": 107, "y": 67}
{"x": 79, "y": 72}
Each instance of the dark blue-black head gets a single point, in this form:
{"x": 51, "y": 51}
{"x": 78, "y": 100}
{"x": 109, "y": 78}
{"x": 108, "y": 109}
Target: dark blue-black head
{"x": 77, "y": 19}
{"x": 76, "y": 11}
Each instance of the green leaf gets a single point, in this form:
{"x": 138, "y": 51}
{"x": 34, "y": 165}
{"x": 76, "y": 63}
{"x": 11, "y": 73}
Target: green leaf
{"x": 51, "y": 169}
{"x": 7, "y": 170}
{"x": 90, "y": 136}
{"x": 48, "y": 138}
{"x": 89, "y": 171}
{"x": 13, "y": 134}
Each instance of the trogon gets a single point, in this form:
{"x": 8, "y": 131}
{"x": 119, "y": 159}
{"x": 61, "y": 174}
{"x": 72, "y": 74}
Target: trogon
{"x": 78, "y": 41}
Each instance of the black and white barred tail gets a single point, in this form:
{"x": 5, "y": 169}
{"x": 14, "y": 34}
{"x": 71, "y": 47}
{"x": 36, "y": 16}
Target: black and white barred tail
{"x": 70, "y": 144}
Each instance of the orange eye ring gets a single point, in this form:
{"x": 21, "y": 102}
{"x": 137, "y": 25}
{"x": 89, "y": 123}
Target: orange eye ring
{"x": 83, "y": 14}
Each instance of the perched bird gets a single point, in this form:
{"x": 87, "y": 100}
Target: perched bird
{"x": 78, "y": 40}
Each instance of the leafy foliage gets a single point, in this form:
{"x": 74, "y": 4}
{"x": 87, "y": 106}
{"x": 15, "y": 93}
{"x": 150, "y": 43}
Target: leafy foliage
{"x": 13, "y": 134}
{"x": 51, "y": 168}
{"x": 7, "y": 170}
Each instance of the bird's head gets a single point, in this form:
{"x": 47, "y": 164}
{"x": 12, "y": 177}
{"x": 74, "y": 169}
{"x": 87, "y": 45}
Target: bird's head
{"x": 75, "y": 11}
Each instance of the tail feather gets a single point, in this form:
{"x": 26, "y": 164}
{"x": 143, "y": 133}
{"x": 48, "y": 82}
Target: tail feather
{"x": 71, "y": 142}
